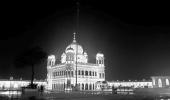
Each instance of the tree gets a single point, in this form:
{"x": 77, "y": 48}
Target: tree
{"x": 31, "y": 57}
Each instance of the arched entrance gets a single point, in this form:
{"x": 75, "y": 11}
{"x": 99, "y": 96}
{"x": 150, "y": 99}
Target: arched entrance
{"x": 86, "y": 86}
{"x": 68, "y": 83}
{"x": 159, "y": 83}
{"x": 90, "y": 87}
{"x": 167, "y": 82}
{"x": 82, "y": 86}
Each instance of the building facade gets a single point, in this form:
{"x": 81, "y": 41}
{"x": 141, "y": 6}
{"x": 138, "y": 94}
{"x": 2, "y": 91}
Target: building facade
{"x": 75, "y": 70}
{"x": 133, "y": 84}
{"x": 161, "y": 81}
{"x": 16, "y": 84}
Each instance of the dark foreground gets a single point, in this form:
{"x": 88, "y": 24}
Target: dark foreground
{"x": 83, "y": 96}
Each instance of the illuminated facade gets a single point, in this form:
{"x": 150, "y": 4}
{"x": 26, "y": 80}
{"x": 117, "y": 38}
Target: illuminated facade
{"x": 161, "y": 81}
{"x": 74, "y": 70}
{"x": 134, "y": 84}
{"x": 16, "y": 84}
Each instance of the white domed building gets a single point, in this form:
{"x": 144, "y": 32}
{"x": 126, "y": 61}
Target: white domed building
{"x": 63, "y": 76}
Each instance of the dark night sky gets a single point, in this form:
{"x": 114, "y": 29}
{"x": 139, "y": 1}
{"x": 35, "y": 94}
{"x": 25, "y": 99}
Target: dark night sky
{"x": 134, "y": 39}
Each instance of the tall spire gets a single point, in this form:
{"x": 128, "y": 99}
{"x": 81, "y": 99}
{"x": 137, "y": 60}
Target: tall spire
{"x": 77, "y": 22}
{"x": 77, "y": 19}
{"x": 74, "y": 37}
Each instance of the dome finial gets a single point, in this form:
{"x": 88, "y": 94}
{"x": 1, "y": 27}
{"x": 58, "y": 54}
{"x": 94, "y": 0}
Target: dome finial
{"x": 74, "y": 38}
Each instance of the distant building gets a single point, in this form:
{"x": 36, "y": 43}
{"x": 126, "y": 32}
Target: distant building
{"x": 74, "y": 70}
{"x": 133, "y": 84}
{"x": 161, "y": 81}
{"x": 15, "y": 84}
{"x": 63, "y": 76}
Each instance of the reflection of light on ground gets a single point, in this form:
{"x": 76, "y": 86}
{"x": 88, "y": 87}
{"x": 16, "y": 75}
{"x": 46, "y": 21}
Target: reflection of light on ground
{"x": 10, "y": 93}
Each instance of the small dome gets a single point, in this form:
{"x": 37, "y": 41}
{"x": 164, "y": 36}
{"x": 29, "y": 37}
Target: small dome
{"x": 99, "y": 55}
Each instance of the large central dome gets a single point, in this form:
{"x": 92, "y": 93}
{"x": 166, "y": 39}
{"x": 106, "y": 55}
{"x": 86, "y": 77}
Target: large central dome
{"x": 75, "y": 46}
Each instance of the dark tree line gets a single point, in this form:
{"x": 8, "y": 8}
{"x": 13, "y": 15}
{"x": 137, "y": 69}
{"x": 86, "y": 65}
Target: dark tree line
{"x": 30, "y": 58}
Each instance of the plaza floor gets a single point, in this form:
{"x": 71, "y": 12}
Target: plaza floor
{"x": 85, "y": 96}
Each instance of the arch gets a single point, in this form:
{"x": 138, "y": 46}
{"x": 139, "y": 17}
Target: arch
{"x": 64, "y": 72}
{"x": 95, "y": 73}
{"x": 153, "y": 81}
{"x": 90, "y": 87}
{"x": 61, "y": 73}
{"x": 79, "y": 85}
{"x": 89, "y": 73}
{"x": 99, "y": 61}
{"x": 86, "y": 73}
{"x": 103, "y": 75}
{"x": 82, "y": 72}
{"x": 100, "y": 75}
{"x": 68, "y": 73}
{"x": 79, "y": 72}
{"x": 72, "y": 73}
{"x": 167, "y": 82}
{"x": 93, "y": 86}
{"x": 56, "y": 74}
{"x": 67, "y": 58}
{"x": 159, "y": 83}
{"x": 82, "y": 86}
{"x": 86, "y": 86}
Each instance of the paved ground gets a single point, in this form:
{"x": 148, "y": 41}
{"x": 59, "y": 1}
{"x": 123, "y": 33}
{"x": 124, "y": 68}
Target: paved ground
{"x": 85, "y": 96}
{"x": 81, "y": 96}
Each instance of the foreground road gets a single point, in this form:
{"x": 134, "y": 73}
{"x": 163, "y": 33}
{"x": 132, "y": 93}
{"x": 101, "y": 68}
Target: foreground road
{"x": 86, "y": 96}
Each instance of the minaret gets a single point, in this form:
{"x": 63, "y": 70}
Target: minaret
{"x": 100, "y": 59}
{"x": 51, "y": 60}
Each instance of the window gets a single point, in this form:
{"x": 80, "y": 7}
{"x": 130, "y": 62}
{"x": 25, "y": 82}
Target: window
{"x": 86, "y": 73}
{"x": 89, "y": 73}
{"x": 79, "y": 72}
{"x": 68, "y": 73}
{"x": 86, "y": 86}
{"x": 93, "y": 86}
{"x": 56, "y": 73}
{"x": 90, "y": 87}
{"x": 82, "y": 72}
{"x": 82, "y": 86}
{"x": 60, "y": 73}
{"x": 95, "y": 73}
{"x": 72, "y": 73}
